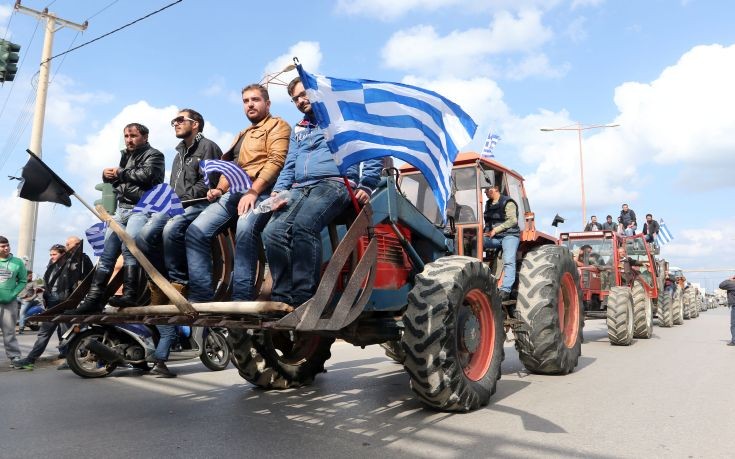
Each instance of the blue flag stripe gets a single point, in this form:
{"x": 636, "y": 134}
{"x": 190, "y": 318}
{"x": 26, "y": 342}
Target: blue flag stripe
{"x": 161, "y": 198}
{"x": 238, "y": 179}
{"x": 96, "y": 237}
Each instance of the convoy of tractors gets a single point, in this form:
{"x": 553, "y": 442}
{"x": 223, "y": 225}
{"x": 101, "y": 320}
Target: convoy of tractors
{"x": 402, "y": 275}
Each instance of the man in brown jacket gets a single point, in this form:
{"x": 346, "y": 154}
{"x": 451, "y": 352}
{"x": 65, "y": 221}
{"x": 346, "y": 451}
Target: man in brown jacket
{"x": 260, "y": 150}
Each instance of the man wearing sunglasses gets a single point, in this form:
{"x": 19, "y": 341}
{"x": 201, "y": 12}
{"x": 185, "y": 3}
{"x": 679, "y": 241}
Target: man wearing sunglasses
{"x": 141, "y": 168}
{"x": 187, "y": 181}
{"x": 260, "y": 150}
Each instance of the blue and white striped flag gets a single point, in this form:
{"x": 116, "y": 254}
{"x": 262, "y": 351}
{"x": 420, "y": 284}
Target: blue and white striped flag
{"x": 487, "y": 150}
{"x": 96, "y": 237}
{"x": 664, "y": 236}
{"x": 236, "y": 177}
{"x": 364, "y": 119}
{"x": 160, "y": 198}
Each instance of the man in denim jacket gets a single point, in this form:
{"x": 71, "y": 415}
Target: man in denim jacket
{"x": 317, "y": 195}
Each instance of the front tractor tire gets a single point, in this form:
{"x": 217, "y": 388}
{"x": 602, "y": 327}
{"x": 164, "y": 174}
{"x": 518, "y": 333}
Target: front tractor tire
{"x": 620, "y": 316}
{"x": 278, "y": 359}
{"x": 642, "y": 312}
{"x": 453, "y": 335}
{"x": 665, "y": 311}
{"x": 549, "y": 340}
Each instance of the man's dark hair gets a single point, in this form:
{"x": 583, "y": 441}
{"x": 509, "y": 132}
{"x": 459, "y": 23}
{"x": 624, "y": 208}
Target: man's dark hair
{"x": 58, "y": 248}
{"x": 196, "y": 116}
{"x": 649, "y": 215}
{"x": 609, "y": 216}
{"x": 625, "y": 205}
{"x": 142, "y": 129}
{"x": 594, "y": 216}
{"x": 259, "y": 87}
{"x": 4, "y": 240}
{"x": 293, "y": 84}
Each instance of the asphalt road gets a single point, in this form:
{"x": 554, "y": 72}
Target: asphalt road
{"x": 670, "y": 396}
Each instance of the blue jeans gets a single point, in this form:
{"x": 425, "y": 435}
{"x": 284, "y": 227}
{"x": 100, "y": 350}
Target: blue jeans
{"x": 509, "y": 244}
{"x": 133, "y": 223}
{"x": 293, "y": 242}
{"x": 24, "y": 305}
{"x": 213, "y": 219}
{"x": 732, "y": 323}
{"x": 168, "y": 336}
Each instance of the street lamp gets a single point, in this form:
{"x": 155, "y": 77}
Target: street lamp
{"x": 579, "y": 127}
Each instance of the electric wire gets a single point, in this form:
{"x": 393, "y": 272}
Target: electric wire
{"x": 103, "y": 9}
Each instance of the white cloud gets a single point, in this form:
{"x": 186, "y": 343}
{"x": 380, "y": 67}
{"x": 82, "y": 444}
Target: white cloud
{"x": 66, "y": 106}
{"x": 585, "y": 3}
{"x": 387, "y": 10}
{"x": 310, "y": 56}
{"x": 423, "y": 50}
{"x": 5, "y": 12}
{"x": 217, "y": 85}
{"x": 535, "y": 65}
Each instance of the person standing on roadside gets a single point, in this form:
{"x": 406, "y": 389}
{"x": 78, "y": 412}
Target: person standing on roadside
{"x": 729, "y": 286}
{"x": 13, "y": 279}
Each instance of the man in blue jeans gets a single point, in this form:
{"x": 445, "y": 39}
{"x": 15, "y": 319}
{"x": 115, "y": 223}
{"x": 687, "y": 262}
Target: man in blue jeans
{"x": 318, "y": 194}
{"x": 502, "y": 232}
{"x": 729, "y": 286}
{"x": 141, "y": 168}
{"x": 260, "y": 150}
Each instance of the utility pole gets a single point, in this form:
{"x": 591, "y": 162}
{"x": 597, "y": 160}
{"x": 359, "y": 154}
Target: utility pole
{"x": 29, "y": 210}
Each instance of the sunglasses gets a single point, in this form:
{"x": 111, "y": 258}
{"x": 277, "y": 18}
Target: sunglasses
{"x": 180, "y": 119}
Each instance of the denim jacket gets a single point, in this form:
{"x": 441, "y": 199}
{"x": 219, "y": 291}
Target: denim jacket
{"x": 310, "y": 160}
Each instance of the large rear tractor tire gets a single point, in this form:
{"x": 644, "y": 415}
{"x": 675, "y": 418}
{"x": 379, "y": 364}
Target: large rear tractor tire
{"x": 665, "y": 311}
{"x": 453, "y": 335}
{"x": 549, "y": 340}
{"x": 278, "y": 359}
{"x": 678, "y": 307}
{"x": 620, "y": 316}
{"x": 642, "y": 312}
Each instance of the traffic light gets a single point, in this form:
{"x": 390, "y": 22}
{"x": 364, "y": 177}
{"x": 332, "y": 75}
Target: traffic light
{"x": 8, "y": 59}
{"x": 109, "y": 200}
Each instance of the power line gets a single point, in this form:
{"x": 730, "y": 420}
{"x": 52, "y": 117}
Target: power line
{"x": 113, "y": 31}
{"x": 100, "y": 11}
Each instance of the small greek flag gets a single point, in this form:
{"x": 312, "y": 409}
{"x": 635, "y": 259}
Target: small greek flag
{"x": 487, "y": 150}
{"x": 664, "y": 235}
{"x": 96, "y": 237}
{"x": 364, "y": 119}
{"x": 235, "y": 175}
{"x": 160, "y": 198}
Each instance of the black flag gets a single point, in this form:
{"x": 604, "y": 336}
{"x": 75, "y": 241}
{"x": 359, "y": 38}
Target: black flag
{"x": 40, "y": 184}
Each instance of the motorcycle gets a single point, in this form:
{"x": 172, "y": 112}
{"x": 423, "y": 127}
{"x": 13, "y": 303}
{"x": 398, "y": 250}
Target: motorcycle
{"x": 96, "y": 350}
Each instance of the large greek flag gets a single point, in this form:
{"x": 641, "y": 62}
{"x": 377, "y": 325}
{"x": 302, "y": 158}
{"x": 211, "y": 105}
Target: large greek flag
{"x": 96, "y": 237}
{"x": 364, "y": 119}
{"x": 160, "y": 198}
{"x": 487, "y": 150}
{"x": 664, "y": 236}
{"x": 235, "y": 175}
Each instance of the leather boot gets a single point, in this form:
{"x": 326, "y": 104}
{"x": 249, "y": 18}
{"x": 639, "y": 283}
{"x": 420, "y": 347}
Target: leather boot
{"x": 92, "y": 302}
{"x": 181, "y": 288}
{"x": 131, "y": 282}
{"x": 157, "y": 295}
{"x": 162, "y": 370}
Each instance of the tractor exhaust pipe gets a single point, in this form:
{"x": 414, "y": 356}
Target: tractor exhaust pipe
{"x": 104, "y": 352}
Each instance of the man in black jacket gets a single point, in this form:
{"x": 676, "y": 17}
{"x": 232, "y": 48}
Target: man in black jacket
{"x": 728, "y": 285}
{"x": 141, "y": 168}
{"x": 650, "y": 228}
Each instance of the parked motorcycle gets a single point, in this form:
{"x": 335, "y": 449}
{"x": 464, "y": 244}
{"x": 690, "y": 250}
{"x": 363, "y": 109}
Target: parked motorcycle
{"x": 96, "y": 350}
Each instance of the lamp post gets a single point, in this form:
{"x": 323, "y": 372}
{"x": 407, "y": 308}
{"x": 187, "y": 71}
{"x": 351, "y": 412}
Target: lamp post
{"x": 579, "y": 127}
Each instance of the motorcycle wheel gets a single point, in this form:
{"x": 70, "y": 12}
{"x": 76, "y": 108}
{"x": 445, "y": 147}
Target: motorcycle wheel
{"x": 85, "y": 363}
{"x": 216, "y": 355}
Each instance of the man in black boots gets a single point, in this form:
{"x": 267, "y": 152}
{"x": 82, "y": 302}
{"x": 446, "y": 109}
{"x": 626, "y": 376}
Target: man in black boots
{"x": 141, "y": 168}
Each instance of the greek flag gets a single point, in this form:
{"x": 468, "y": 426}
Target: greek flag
{"x": 364, "y": 119}
{"x": 160, "y": 198}
{"x": 236, "y": 177}
{"x": 96, "y": 237}
{"x": 664, "y": 235}
{"x": 487, "y": 150}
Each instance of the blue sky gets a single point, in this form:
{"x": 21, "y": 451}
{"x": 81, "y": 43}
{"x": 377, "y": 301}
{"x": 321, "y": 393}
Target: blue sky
{"x": 662, "y": 69}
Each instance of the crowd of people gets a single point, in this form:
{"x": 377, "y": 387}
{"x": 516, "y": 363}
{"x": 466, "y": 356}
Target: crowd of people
{"x": 626, "y": 224}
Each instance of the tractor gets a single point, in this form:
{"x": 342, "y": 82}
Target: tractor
{"x": 396, "y": 272}
{"x": 621, "y": 282}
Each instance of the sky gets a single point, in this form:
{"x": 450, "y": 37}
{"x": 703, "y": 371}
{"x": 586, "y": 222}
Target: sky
{"x": 660, "y": 69}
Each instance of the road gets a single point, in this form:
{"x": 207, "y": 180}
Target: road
{"x": 670, "y": 396}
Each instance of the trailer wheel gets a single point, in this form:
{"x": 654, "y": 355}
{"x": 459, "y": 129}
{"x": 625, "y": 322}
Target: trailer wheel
{"x": 453, "y": 336}
{"x": 620, "y": 316}
{"x": 394, "y": 351}
{"x": 665, "y": 309}
{"x": 677, "y": 313}
{"x": 278, "y": 359}
{"x": 549, "y": 341}
{"x": 642, "y": 313}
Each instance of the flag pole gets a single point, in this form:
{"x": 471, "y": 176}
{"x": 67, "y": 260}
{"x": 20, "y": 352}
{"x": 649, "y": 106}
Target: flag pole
{"x": 91, "y": 209}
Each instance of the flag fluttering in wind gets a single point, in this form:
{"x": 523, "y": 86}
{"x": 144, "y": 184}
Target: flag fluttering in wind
{"x": 161, "y": 198}
{"x": 664, "y": 236}
{"x": 235, "y": 175}
{"x": 487, "y": 150}
{"x": 96, "y": 237}
{"x": 40, "y": 184}
{"x": 364, "y": 119}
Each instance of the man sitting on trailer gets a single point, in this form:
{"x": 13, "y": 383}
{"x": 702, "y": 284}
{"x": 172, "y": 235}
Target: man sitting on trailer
{"x": 502, "y": 232}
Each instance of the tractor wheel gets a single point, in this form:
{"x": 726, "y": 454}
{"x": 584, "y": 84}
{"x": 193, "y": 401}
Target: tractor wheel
{"x": 642, "y": 312}
{"x": 278, "y": 359}
{"x": 665, "y": 309}
{"x": 453, "y": 335}
{"x": 620, "y": 316}
{"x": 549, "y": 340}
{"x": 678, "y": 307}
{"x": 394, "y": 351}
